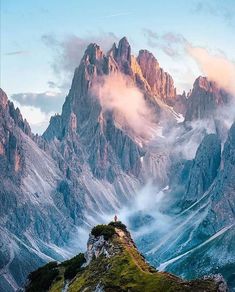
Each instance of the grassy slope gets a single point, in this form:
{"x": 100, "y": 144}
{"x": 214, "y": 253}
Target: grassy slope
{"x": 127, "y": 271}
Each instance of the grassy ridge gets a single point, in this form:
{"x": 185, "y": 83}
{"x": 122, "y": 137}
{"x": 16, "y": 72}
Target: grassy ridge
{"x": 124, "y": 270}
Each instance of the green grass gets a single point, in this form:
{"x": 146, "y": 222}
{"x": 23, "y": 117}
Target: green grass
{"x": 119, "y": 225}
{"x": 127, "y": 271}
{"x": 73, "y": 266}
{"x": 42, "y": 278}
{"x": 106, "y": 230}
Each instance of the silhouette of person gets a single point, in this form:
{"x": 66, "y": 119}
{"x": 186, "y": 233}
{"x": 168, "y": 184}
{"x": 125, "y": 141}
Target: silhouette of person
{"x": 115, "y": 218}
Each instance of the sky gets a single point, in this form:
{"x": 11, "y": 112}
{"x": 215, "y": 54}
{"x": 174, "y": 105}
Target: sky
{"x": 42, "y": 42}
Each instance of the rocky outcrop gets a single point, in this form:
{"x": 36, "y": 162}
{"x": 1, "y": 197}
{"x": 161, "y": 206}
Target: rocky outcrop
{"x": 181, "y": 103}
{"x": 11, "y": 153}
{"x": 110, "y": 265}
{"x": 204, "y": 99}
{"x": 3, "y": 99}
{"x": 160, "y": 82}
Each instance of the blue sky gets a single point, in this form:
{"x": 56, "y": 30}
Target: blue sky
{"x": 28, "y": 62}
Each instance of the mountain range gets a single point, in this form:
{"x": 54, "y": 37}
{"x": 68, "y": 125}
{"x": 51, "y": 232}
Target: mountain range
{"x": 122, "y": 127}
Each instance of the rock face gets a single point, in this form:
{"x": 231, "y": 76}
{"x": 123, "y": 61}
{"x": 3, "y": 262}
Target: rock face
{"x": 204, "y": 168}
{"x": 160, "y": 82}
{"x": 30, "y": 220}
{"x": 107, "y": 146}
{"x": 204, "y": 99}
{"x": 205, "y": 227}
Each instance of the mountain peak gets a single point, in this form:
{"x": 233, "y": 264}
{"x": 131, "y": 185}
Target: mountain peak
{"x": 160, "y": 82}
{"x": 124, "y": 50}
{"x": 203, "y": 83}
{"x": 3, "y": 99}
{"x": 93, "y": 53}
{"x": 204, "y": 99}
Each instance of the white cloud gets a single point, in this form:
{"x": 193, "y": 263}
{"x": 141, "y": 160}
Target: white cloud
{"x": 118, "y": 94}
{"x": 48, "y": 101}
{"x": 216, "y": 67}
{"x": 37, "y": 119}
{"x": 69, "y": 51}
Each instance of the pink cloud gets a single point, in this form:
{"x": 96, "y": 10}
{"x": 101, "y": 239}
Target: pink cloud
{"x": 216, "y": 67}
{"x": 118, "y": 94}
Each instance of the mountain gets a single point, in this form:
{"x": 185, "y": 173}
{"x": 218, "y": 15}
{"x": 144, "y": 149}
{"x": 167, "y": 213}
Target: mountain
{"x": 32, "y": 220}
{"x": 121, "y": 126}
{"x": 113, "y": 263}
{"x": 83, "y": 166}
{"x": 205, "y": 97}
{"x": 201, "y": 234}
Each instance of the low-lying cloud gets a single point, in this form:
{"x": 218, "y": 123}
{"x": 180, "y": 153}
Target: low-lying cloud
{"x": 118, "y": 94}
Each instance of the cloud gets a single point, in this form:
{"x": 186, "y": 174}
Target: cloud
{"x": 17, "y": 53}
{"x": 118, "y": 14}
{"x": 70, "y": 50}
{"x": 37, "y": 119}
{"x": 170, "y": 43}
{"x": 116, "y": 93}
{"x": 48, "y": 101}
{"x": 215, "y": 8}
{"x": 216, "y": 67}
{"x": 144, "y": 215}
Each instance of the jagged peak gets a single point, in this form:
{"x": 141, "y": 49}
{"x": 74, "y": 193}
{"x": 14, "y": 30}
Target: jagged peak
{"x": 93, "y": 53}
{"x": 201, "y": 81}
{"x": 147, "y": 54}
{"x": 124, "y": 49}
{"x": 3, "y": 98}
{"x": 231, "y": 134}
{"x": 123, "y": 41}
{"x": 205, "y": 83}
{"x": 113, "y": 51}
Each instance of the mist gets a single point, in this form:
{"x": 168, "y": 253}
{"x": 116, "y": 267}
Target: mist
{"x": 118, "y": 94}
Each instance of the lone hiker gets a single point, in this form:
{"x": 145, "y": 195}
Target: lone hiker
{"x": 115, "y": 218}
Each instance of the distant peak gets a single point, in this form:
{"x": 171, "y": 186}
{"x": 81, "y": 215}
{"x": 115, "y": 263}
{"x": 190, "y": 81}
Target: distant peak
{"x": 113, "y": 51}
{"x": 204, "y": 83}
{"x": 124, "y": 49}
{"x": 124, "y": 40}
{"x": 3, "y": 98}
{"x": 93, "y": 52}
{"x": 146, "y": 52}
{"x": 146, "y": 56}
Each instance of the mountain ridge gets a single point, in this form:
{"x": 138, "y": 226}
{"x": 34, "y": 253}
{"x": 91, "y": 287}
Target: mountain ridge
{"x": 112, "y": 263}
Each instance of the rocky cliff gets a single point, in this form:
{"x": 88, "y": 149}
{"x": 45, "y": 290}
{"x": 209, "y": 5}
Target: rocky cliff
{"x": 205, "y": 97}
{"x": 201, "y": 234}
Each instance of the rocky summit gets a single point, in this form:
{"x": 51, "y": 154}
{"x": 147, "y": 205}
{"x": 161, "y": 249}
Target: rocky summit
{"x": 122, "y": 125}
{"x": 113, "y": 263}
